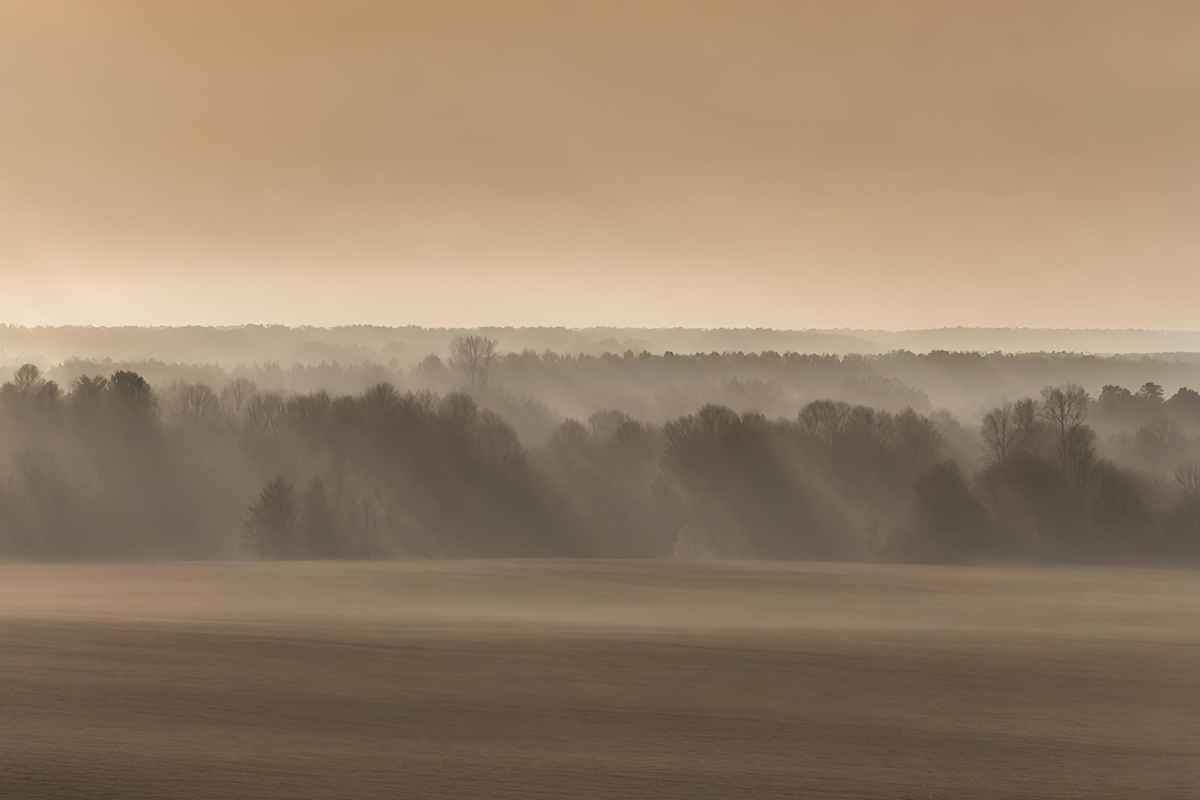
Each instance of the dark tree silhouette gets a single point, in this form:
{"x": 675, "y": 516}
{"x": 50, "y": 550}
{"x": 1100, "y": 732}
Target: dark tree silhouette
{"x": 949, "y": 524}
{"x": 473, "y": 357}
{"x": 132, "y": 395}
{"x": 1029, "y": 431}
{"x": 236, "y": 394}
{"x": 28, "y": 379}
{"x": 999, "y": 431}
{"x": 1150, "y": 392}
{"x": 193, "y": 405}
{"x": 1065, "y": 408}
{"x": 388, "y": 472}
{"x": 270, "y": 528}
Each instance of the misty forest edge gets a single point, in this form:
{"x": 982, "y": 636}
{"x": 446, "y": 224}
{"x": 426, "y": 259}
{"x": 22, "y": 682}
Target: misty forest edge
{"x": 458, "y": 464}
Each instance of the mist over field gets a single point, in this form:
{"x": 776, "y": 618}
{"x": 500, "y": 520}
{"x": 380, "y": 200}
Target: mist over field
{"x": 470, "y": 451}
{"x": 543, "y": 400}
{"x": 598, "y": 679}
{"x": 479, "y": 572}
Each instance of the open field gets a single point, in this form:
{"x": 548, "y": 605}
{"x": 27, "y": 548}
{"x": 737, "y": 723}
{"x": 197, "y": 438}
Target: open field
{"x": 590, "y": 679}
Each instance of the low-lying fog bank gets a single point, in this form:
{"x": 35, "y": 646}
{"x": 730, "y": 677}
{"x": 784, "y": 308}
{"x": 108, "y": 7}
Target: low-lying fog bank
{"x": 114, "y": 466}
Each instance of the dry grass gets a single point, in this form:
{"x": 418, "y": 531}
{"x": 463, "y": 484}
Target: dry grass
{"x": 565, "y": 679}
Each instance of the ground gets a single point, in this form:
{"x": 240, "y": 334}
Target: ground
{"x": 597, "y": 679}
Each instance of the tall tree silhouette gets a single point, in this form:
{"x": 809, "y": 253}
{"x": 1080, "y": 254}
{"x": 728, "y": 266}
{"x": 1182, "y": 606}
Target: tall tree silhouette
{"x": 270, "y": 528}
{"x": 473, "y": 357}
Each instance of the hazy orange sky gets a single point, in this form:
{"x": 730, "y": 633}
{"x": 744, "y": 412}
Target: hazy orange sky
{"x": 795, "y": 164}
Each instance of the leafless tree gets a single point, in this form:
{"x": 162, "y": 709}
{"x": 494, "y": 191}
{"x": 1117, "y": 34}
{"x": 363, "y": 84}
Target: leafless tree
{"x": 474, "y": 357}
{"x": 236, "y": 394}
{"x": 1188, "y": 478}
{"x": 825, "y": 420}
{"x": 1065, "y": 408}
{"x": 1028, "y": 428}
{"x": 193, "y": 405}
{"x": 1159, "y": 434}
{"x": 1079, "y": 452}
{"x": 919, "y": 437}
{"x": 998, "y": 431}
{"x": 263, "y": 412}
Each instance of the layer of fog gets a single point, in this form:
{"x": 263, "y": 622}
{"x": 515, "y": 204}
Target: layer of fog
{"x": 484, "y": 454}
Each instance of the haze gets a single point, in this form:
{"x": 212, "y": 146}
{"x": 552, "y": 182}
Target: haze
{"x": 591, "y": 400}
{"x": 787, "y": 164}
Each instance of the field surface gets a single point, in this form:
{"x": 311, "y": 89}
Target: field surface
{"x": 597, "y": 679}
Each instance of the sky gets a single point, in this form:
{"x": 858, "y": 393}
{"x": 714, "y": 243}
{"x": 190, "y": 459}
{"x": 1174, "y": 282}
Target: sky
{"x": 891, "y": 164}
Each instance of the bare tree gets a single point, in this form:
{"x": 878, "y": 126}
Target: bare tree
{"x": 474, "y": 357}
{"x": 1065, "y": 408}
{"x": 999, "y": 431}
{"x": 918, "y": 437}
{"x": 236, "y": 394}
{"x": 825, "y": 420}
{"x": 263, "y": 412}
{"x": 193, "y": 405}
{"x": 1028, "y": 428}
{"x": 1188, "y": 478}
{"x": 1079, "y": 452}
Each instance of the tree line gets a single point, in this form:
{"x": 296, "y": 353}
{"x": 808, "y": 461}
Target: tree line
{"x": 113, "y": 467}
{"x": 535, "y": 390}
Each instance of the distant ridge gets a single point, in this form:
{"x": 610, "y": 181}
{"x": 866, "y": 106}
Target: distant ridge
{"x": 1028, "y": 340}
{"x": 259, "y": 343}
